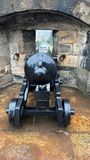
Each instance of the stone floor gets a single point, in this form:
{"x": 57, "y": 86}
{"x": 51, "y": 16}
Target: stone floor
{"x": 40, "y": 138}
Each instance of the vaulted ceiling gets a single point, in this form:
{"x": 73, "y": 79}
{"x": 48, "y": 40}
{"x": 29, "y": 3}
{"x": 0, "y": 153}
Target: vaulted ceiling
{"x": 77, "y": 8}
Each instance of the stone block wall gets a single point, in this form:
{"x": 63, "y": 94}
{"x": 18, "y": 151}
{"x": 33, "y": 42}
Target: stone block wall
{"x": 4, "y": 50}
{"x": 68, "y": 45}
{"x": 83, "y": 78}
{"x": 16, "y": 46}
{"x": 71, "y": 44}
{"x": 69, "y": 41}
{"x": 5, "y": 62}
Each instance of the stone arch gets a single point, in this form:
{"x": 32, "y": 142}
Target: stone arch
{"x": 70, "y": 29}
{"x": 77, "y": 8}
{"x": 65, "y": 26}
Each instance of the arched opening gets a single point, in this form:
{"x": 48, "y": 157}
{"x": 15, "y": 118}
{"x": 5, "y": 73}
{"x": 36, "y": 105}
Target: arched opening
{"x": 68, "y": 34}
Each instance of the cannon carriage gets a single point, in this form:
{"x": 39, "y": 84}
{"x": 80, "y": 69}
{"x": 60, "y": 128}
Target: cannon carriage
{"x": 41, "y": 77}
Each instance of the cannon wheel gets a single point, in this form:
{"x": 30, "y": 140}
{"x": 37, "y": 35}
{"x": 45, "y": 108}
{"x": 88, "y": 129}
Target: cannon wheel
{"x": 11, "y": 111}
{"x": 66, "y": 111}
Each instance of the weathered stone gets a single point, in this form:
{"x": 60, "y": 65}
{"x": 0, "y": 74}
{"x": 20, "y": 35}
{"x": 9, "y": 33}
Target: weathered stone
{"x": 80, "y": 61}
{"x": 82, "y": 10}
{"x": 88, "y": 83}
{"x": 16, "y": 46}
{"x": 70, "y": 61}
{"x": 86, "y": 54}
{"x": 83, "y": 81}
{"x": 19, "y": 71}
{"x": 65, "y": 48}
{"x": 83, "y": 74}
{"x": 67, "y": 37}
{"x": 79, "y": 9}
{"x": 69, "y": 34}
{"x": 4, "y": 60}
{"x": 88, "y": 18}
{"x": 20, "y": 42}
{"x": 7, "y": 68}
{"x": 77, "y": 48}
{"x": 4, "y": 47}
{"x": 29, "y": 41}
{"x": 20, "y": 5}
{"x": 5, "y": 80}
{"x": 81, "y": 36}
{"x": 69, "y": 78}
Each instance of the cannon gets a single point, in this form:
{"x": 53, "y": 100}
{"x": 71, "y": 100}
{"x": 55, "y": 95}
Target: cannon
{"x": 41, "y": 77}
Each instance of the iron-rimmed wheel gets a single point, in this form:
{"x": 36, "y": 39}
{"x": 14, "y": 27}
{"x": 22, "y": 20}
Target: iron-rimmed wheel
{"x": 66, "y": 112}
{"x": 11, "y": 111}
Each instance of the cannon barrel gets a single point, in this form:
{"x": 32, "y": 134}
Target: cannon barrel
{"x": 40, "y": 68}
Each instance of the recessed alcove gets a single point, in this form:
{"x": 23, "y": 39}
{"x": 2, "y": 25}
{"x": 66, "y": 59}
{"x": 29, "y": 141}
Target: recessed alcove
{"x": 68, "y": 35}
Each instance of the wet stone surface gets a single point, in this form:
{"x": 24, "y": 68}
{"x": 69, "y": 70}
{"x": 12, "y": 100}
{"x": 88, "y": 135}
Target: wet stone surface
{"x": 40, "y": 138}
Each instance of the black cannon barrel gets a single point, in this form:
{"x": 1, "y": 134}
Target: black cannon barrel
{"x": 40, "y": 68}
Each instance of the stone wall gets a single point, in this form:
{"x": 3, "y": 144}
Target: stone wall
{"x": 16, "y": 46}
{"x": 71, "y": 44}
{"x": 4, "y": 51}
{"x": 83, "y": 78}
{"x": 69, "y": 41}
{"x": 77, "y": 8}
{"x": 5, "y": 62}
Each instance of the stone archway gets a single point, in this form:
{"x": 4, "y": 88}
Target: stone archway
{"x": 77, "y": 8}
{"x": 69, "y": 38}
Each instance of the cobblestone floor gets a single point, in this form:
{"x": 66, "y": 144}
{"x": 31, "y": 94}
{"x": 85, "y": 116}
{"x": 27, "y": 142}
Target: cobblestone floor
{"x": 40, "y": 138}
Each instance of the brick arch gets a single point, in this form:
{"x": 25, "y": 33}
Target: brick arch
{"x": 77, "y": 8}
